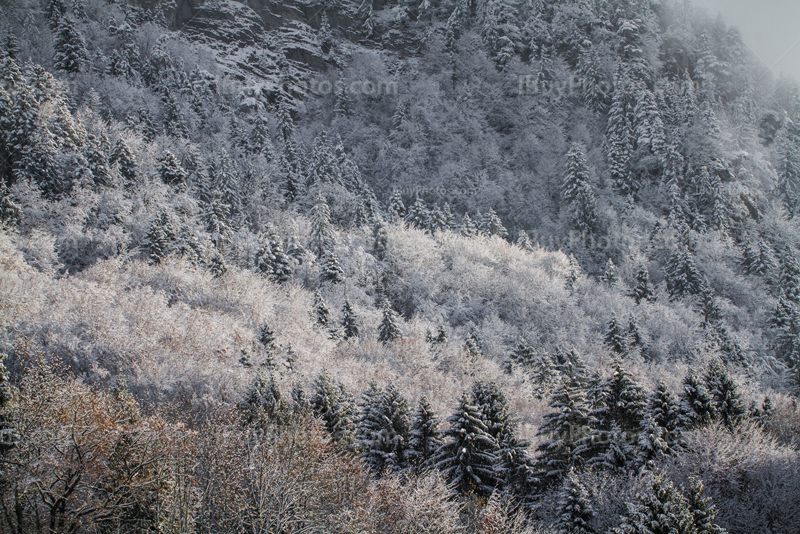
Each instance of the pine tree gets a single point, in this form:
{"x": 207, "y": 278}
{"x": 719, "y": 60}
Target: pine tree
{"x": 660, "y": 510}
{"x": 170, "y": 170}
{"x": 272, "y": 261}
{"x": 472, "y": 344}
{"x": 123, "y": 158}
{"x": 263, "y": 399}
{"x": 468, "y": 456}
{"x": 575, "y": 511}
{"x": 418, "y": 215}
{"x": 573, "y": 273}
{"x": 468, "y": 228}
{"x": 695, "y": 404}
{"x": 424, "y": 437}
{"x": 9, "y": 437}
{"x": 702, "y": 511}
{"x": 566, "y": 425}
{"x": 350, "y": 324}
{"x": 330, "y": 270}
{"x": 490, "y": 225}
{"x": 610, "y": 274}
{"x": 79, "y": 10}
{"x": 577, "y": 191}
{"x": 648, "y": 124}
{"x": 322, "y": 239}
{"x": 380, "y": 240}
{"x": 634, "y": 337}
{"x": 789, "y": 169}
{"x": 524, "y": 241}
{"x": 266, "y": 336}
{"x": 614, "y": 338}
{"x": 618, "y": 139}
{"x": 389, "y": 329}
{"x": 10, "y": 210}
{"x": 621, "y": 400}
{"x": 682, "y": 276}
{"x": 523, "y": 354}
{"x": 56, "y": 9}
{"x": 332, "y": 403}
{"x": 664, "y": 408}
{"x": 789, "y": 281}
{"x": 160, "y": 238}
{"x": 216, "y": 216}
{"x": 383, "y": 430}
{"x": 70, "y": 54}
{"x": 322, "y": 314}
{"x": 642, "y": 290}
{"x": 652, "y": 445}
{"x": 397, "y": 210}
{"x": 11, "y": 45}
{"x": 614, "y": 452}
{"x": 726, "y": 401}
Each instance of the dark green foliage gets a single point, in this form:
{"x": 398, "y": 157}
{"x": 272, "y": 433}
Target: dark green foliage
{"x": 682, "y": 275}
{"x": 330, "y": 270}
{"x": 695, "y": 404}
{"x": 468, "y": 455}
{"x": 350, "y": 324}
{"x": 382, "y": 430}
{"x": 10, "y": 210}
{"x": 424, "y": 437}
{"x": 468, "y": 228}
{"x": 577, "y": 192}
{"x": 263, "y": 399}
{"x": 660, "y": 510}
{"x": 614, "y": 337}
{"x": 418, "y": 215}
{"x": 170, "y": 170}
{"x": 70, "y": 54}
{"x": 726, "y": 401}
{"x": 161, "y": 238}
{"x": 216, "y": 216}
{"x": 703, "y": 512}
{"x": 322, "y": 239}
{"x": 643, "y": 290}
{"x": 380, "y": 240}
{"x": 472, "y": 344}
{"x": 123, "y": 158}
{"x": 331, "y": 402}
{"x": 575, "y": 512}
{"x": 523, "y": 354}
{"x": 272, "y": 261}
{"x": 664, "y": 408}
{"x": 567, "y": 424}
{"x": 388, "y": 329}
{"x": 11, "y": 45}
{"x": 322, "y": 314}
{"x": 397, "y": 210}
{"x": 610, "y": 274}
{"x": 490, "y": 225}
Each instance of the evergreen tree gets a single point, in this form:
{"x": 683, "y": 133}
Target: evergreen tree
{"x": 321, "y": 312}
{"x": 389, "y": 329}
{"x": 789, "y": 169}
{"x": 79, "y": 10}
{"x": 332, "y": 403}
{"x": 160, "y": 239}
{"x": 723, "y": 390}
{"x": 614, "y": 338}
{"x": 660, "y": 510}
{"x": 468, "y": 455}
{"x": 10, "y": 210}
{"x": 350, "y": 324}
{"x": 610, "y": 274}
{"x": 383, "y": 430}
{"x": 524, "y": 241}
{"x": 523, "y": 354}
{"x": 789, "y": 281}
{"x": 682, "y": 276}
{"x": 424, "y": 437}
{"x": 612, "y": 453}
{"x": 397, "y": 210}
{"x": 266, "y": 336}
{"x": 702, "y": 511}
{"x": 170, "y": 170}
{"x": 634, "y": 337}
{"x": 490, "y": 224}
{"x": 472, "y": 344}
{"x": 566, "y": 425}
{"x": 418, "y": 215}
{"x": 695, "y": 404}
{"x": 577, "y": 191}
{"x": 574, "y": 508}
{"x": 70, "y": 54}
{"x": 263, "y": 399}
{"x": 123, "y": 158}
{"x": 573, "y": 272}
{"x": 216, "y": 216}
{"x": 56, "y": 9}
{"x": 642, "y": 290}
{"x": 664, "y": 408}
{"x": 618, "y": 139}
{"x": 330, "y": 270}
{"x": 652, "y": 445}
{"x": 9, "y": 438}
{"x": 468, "y": 228}
{"x": 380, "y": 240}
{"x": 11, "y": 45}
{"x": 322, "y": 239}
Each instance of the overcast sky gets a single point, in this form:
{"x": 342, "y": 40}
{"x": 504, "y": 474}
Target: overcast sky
{"x": 771, "y": 28}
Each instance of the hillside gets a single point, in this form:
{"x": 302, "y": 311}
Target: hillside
{"x": 395, "y": 266}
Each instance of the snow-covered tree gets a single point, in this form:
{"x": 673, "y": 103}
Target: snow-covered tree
{"x": 322, "y": 236}
{"x": 468, "y": 456}
{"x": 329, "y": 269}
{"x": 643, "y": 290}
{"x": 389, "y": 328}
{"x": 170, "y": 170}
{"x": 661, "y": 509}
{"x": 575, "y": 511}
{"x": 424, "y": 437}
{"x": 614, "y": 337}
{"x": 332, "y": 403}
{"x": 322, "y": 314}
{"x": 350, "y": 324}
{"x": 70, "y": 54}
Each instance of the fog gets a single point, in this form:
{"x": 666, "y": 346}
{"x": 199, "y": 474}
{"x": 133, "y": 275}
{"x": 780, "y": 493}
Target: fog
{"x": 769, "y": 27}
